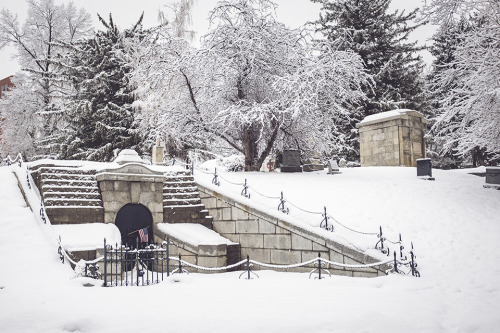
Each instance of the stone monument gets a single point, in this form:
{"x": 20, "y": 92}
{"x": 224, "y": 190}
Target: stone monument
{"x": 158, "y": 152}
{"x": 392, "y": 138}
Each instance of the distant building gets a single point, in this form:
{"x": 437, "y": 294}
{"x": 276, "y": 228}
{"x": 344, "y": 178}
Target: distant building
{"x": 5, "y": 84}
{"x": 392, "y": 138}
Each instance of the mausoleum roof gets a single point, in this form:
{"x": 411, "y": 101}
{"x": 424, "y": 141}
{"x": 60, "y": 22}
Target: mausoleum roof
{"x": 388, "y": 115}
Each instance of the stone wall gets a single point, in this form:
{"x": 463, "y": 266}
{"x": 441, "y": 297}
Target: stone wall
{"x": 271, "y": 240}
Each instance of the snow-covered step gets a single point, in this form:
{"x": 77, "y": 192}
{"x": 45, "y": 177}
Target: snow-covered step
{"x": 69, "y": 188}
{"x": 180, "y": 189}
{"x": 70, "y": 182}
{"x": 170, "y": 206}
{"x": 70, "y": 195}
{"x": 72, "y": 202}
{"x": 181, "y": 196}
{"x": 181, "y": 202}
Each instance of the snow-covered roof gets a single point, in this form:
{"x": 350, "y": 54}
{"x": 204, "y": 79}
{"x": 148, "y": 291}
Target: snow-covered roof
{"x": 388, "y": 115}
{"x": 194, "y": 234}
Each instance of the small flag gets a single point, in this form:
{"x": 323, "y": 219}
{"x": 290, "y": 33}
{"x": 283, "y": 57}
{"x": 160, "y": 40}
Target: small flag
{"x": 143, "y": 235}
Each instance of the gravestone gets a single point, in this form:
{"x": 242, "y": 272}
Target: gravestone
{"x": 492, "y": 177}
{"x": 291, "y": 161}
{"x": 333, "y": 168}
{"x": 424, "y": 168}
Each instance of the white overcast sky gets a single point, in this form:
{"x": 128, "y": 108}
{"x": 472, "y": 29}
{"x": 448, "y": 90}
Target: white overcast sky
{"x": 293, "y": 13}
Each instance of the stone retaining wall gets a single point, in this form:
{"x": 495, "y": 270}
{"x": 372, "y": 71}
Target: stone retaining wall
{"x": 271, "y": 240}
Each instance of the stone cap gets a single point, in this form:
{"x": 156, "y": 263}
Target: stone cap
{"x": 390, "y": 115}
{"x": 132, "y": 172}
{"x": 128, "y": 156}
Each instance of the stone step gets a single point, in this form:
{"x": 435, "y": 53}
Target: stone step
{"x": 65, "y": 170}
{"x": 75, "y": 214}
{"x": 200, "y": 206}
{"x": 181, "y": 196}
{"x": 72, "y": 195}
{"x": 177, "y": 179}
{"x": 69, "y": 188}
{"x": 169, "y": 184}
{"x": 58, "y": 202}
{"x": 181, "y": 202}
{"x": 67, "y": 182}
{"x": 179, "y": 189}
{"x": 67, "y": 176}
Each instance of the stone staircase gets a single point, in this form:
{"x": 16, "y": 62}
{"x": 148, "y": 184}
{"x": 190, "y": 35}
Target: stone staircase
{"x": 70, "y": 195}
{"x": 181, "y": 200}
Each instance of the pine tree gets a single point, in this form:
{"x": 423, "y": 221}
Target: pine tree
{"x": 379, "y": 37}
{"x": 101, "y": 117}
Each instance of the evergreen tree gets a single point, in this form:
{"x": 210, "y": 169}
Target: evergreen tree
{"x": 101, "y": 117}
{"x": 379, "y": 37}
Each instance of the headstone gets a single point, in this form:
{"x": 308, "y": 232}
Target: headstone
{"x": 424, "y": 168}
{"x": 291, "y": 161}
{"x": 158, "y": 152}
{"x": 333, "y": 168}
{"x": 342, "y": 163}
{"x": 493, "y": 177}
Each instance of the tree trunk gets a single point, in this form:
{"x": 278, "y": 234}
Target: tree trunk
{"x": 249, "y": 147}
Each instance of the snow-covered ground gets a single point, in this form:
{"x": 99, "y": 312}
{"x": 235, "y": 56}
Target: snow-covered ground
{"x": 453, "y": 222}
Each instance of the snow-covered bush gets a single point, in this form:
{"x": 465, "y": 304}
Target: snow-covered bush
{"x": 230, "y": 163}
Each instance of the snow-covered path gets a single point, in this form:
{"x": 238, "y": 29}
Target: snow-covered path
{"x": 457, "y": 248}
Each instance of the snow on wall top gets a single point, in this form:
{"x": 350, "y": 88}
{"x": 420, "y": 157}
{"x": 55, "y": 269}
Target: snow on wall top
{"x": 192, "y": 233}
{"x": 86, "y": 237}
{"x": 383, "y": 116}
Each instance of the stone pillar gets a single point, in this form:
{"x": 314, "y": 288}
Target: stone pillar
{"x": 158, "y": 152}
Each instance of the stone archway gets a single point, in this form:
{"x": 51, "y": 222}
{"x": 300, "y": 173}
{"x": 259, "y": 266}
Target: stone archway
{"x": 130, "y": 219}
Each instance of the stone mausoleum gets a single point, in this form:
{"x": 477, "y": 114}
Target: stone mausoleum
{"x": 392, "y": 138}
{"x": 206, "y": 227}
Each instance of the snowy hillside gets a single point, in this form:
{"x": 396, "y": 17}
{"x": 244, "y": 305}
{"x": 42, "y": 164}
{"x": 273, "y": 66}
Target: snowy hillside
{"x": 453, "y": 223}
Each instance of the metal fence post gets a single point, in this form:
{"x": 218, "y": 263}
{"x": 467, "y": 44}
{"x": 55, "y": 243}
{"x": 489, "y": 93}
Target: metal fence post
{"x": 248, "y": 266}
{"x": 168, "y": 256}
{"x": 319, "y": 265}
{"x": 395, "y": 263}
{"x": 105, "y": 265}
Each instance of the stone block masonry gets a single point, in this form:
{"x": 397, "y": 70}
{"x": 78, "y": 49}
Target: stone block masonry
{"x": 271, "y": 240}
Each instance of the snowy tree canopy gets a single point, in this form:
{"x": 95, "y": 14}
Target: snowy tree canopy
{"x": 38, "y": 52}
{"x": 381, "y": 39}
{"x": 19, "y": 123}
{"x": 469, "y": 118}
{"x": 254, "y": 83}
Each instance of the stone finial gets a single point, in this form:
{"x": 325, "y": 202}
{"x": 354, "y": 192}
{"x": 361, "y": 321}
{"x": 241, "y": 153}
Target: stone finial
{"x": 128, "y": 156}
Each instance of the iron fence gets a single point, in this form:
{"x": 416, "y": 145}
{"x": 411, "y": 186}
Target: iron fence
{"x": 135, "y": 266}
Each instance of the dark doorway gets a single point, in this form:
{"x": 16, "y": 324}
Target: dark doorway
{"x": 132, "y": 218}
